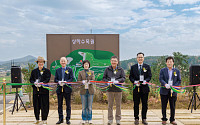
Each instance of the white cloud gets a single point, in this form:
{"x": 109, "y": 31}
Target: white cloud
{"x": 178, "y": 33}
{"x": 174, "y": 2}
{"x": 192, "y": 9}
{"x": 185, "y": 1}
{"x": 143, "y": 25}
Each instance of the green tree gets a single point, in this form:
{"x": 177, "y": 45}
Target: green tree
{"x": 155, "y": 70}
{"x": 8, "y": 74}
{"x": 26, "y": 76}
{"x": 180, "y": 62}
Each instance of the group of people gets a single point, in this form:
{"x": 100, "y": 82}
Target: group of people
{"x": 140, "y": 75}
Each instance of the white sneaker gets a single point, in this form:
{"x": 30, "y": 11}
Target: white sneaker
{"x": 90, "y": 121}
{"x": 36, "y": 122}
{"x": 110, "y": 122}
{"x": 44, "y": 122}
{"x": 83, "y": 122}
{"x": 118, "y": 122}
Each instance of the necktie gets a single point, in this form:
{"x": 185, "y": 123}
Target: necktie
{"x": 140, "y": 69}
{"x": 63, "y": 73}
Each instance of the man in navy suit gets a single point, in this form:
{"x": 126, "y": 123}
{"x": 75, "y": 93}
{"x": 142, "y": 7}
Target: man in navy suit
{"x": 140, "y": 74}
{"x": 169, "y": 76}
{"x": 64, "y": 74}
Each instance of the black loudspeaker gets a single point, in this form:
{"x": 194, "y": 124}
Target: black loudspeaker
{"x": 16, "y": 76}
{"x": 194, "y": 74}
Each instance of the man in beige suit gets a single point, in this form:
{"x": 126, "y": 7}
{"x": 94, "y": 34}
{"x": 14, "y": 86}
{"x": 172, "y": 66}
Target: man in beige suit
{"x": 86, "y": 92}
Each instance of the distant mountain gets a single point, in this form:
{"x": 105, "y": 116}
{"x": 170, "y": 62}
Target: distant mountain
{"x": 23, "y": 59}
{"x": 23, "y": 62}
{"x": 126, "y": 64}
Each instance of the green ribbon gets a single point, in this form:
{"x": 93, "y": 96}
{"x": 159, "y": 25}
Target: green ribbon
{"x": 68, "y": 86}
{"x": 178, "y": 91}
{"x": 102, "y": 89}
{"x": 173, "y": 89}
{"x": 133, "y": 87}
{"x": 158, "y": 90}
{"x": 18, "y": 84}
{"x": 121, "y": 88}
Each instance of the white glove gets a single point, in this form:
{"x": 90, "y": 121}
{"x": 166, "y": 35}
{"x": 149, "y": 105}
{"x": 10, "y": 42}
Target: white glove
{"x": 84, "y": 81}
{"x": 144, "y": 82}
{"x": 115, "y": 82}
{"x": 61, "y": 83}
{"x": 35, "y": 83}
{"x": 137, "y": 83}
{"x": 39, "y": 85}
{"x": 167, "y": 86}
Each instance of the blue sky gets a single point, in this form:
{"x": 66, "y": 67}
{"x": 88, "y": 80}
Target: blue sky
{"x": 155, "y": 27}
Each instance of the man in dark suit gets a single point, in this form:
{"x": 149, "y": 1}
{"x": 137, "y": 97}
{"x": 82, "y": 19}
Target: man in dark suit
{"x": 64, "y": 74}
{"x": 169, "y": 76}
{"x": 140, "y": 74}
{"x": 40, "y": 94}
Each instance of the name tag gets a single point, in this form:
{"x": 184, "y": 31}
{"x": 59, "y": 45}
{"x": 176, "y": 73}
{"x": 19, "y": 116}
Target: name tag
{"x": 86, "y": 85}
{"x": 170, "y": 82}
{"x": 141, "y": 78}
{"x": 112, "y": 79}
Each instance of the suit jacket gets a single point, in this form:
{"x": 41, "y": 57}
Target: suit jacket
{"x": 68, "y": 77}
{"x": 119, "y": 76}
{"x": 135, "y": 76}
{"x": 164, "y": 77}
{"x": 45, "y": 77}
{"x": 82, "y": 76}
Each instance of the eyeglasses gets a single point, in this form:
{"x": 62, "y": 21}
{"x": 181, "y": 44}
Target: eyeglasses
{"x": 113, "y": 60}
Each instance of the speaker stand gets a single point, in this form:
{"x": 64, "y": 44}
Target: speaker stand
{"x": 16, "y": 102}
{"x": 193, "y": 100}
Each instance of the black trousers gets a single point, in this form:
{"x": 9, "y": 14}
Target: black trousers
{"x": 41, "y": 102}
{"x": 67, "y": 97}
{"x": 172, "y": 102}
{"x": 136, "y": 99}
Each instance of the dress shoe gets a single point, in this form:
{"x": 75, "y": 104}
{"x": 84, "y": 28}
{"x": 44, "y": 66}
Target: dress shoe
{"x": 136, "y": 121}
{"x": 173, "y": 123}
{"x": 144, "y": 121}
{"x": 36, "y": 122}
{"x": 164, "y": 122}
{"x": 68, "y": 122}
{"x": 59, "y": 122}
